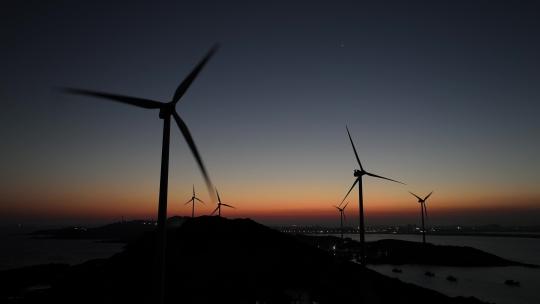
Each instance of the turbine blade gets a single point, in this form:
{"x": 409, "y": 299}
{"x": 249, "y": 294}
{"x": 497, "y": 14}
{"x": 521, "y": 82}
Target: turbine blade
{"x": 191, "y": 143}
{"x": 193, "y": 190}
{"x": 199, "y": 200}
{"x": 354, "y": 148}
{"x": 134, "y": 101}
{"x": 337, "y": 207}
{"x": 428, "y": 195}
{"x": 418, "y": 197}
{"x": 227, "y": 206}
{"x": 214, "y": 210}
{"x": 188, "y": 201}
{"x": 182, "y": 88}
{"x": 425, "y": 210}
{"x": 354, "y": 184}
{"x": 345, "y": 206}
{"x": 378, "y": 176}
{"x": 218, "y": 198}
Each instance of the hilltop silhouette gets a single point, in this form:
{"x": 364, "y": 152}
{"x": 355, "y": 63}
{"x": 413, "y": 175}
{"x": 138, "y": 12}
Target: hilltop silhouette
{"x": 216, "y": 260}
{"x": 387, "y": 251}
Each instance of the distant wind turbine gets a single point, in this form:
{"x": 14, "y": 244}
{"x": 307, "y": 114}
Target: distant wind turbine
{"x": 423, "y": 210}
{"x": 192, "y": 200}
{"x": 341, "y": 217}
{"x": 358, "y": 174}
{"x": 218, "y": 208}
{"x": 166, "y": 110}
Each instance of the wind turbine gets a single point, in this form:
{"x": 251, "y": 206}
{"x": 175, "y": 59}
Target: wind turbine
{"x": 341, "y": 217}
{"x": 192, "y": 201}
{"x": 358, "y": 174}
{"x": 423, "y": 210}
{"x": 218, "y": 208}
{"x": 166, "y": 110}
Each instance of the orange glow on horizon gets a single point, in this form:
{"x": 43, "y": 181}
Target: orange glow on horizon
{"x": 68, "y": 206}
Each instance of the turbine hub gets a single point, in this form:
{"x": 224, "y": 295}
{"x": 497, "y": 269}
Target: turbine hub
{"x": 165, "y": 110}
{"x": 358, "y": 173}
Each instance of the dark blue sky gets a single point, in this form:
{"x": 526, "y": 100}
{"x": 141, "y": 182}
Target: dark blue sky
{"x": 441, "y": 94}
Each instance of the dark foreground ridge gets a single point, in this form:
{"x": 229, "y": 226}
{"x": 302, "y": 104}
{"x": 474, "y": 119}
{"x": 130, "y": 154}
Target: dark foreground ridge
{"x": 215, "y": 260}
{"x": 386, "y": 251}
{"x": 398, "y": 252}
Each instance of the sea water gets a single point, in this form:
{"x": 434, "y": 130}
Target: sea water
{"x": 484, "y": 283}
{"x": 19, "y": 250}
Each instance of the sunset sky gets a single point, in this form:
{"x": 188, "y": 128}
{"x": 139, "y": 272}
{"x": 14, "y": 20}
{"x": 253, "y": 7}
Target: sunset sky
{"x": 442, "y": 95}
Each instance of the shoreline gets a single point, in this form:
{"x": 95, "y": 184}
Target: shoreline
{"x": 487, "y": 234}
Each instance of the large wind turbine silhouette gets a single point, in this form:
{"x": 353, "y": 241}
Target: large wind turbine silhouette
{"x": 218, "y": 208}
{"x": 192, "y": 200}
{"x": 359, "y": 174}
{"x": 423, "y": 210}
{"x": 166, "y": 110}
{"x": 341, "y": 217}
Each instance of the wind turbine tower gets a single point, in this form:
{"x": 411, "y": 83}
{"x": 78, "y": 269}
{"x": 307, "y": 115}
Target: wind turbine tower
{"x": 423, "y": 210}
{"x": 218, "y": 208}
{"x": 193, "y": 200}
{"x": 341, "y": 217}
{"x": 166, "y": 111}
{"x": 358, "y": 174}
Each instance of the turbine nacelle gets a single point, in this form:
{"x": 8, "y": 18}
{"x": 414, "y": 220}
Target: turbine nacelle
{"x": 358, "y": 173}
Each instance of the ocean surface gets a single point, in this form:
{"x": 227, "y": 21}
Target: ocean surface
{"x": 485, "y": 283}
{"x": 19, "y": 250}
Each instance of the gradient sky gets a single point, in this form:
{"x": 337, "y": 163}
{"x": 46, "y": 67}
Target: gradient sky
{"x": 443, "y": 95}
